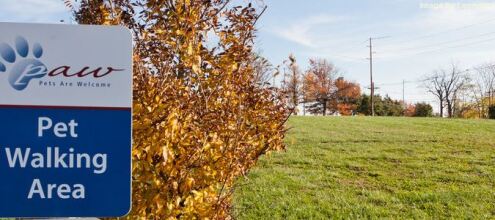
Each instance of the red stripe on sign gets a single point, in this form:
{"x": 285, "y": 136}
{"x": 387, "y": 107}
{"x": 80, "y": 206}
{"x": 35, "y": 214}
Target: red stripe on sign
{"x": 66, "y": 107}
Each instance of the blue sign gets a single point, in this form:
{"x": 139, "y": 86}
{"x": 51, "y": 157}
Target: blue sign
{"x": 56, "y": 162}
{"x": 65, "y": 121}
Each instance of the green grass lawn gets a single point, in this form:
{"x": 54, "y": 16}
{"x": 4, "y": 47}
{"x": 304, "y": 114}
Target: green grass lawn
{"x": 363, "y": 167}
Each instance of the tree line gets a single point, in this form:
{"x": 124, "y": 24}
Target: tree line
{"x": 322, "y": 90}
{"x": 461, "y": 93}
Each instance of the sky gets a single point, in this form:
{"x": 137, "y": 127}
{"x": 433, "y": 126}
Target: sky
{"x": 420, "y": 36}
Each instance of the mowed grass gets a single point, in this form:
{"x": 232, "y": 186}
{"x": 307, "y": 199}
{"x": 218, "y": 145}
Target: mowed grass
{"x": 363, "y": 167}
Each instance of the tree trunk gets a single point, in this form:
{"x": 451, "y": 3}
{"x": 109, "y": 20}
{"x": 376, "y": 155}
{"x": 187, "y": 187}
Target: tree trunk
{"x": 324, "y": 107}
{"x": 294, "y": 100}
{"x": 449, "y": 108}
{"x": 441, "y": 108}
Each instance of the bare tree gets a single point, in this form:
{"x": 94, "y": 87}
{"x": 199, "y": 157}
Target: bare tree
{"x": 455, "y": 82}
{"x": 263, "y": 70}
{"x": 484, "y": 88}
{"x": 434, "y": 85}
{"x": 292, "y": 83}
{"x": 447, "y": 85}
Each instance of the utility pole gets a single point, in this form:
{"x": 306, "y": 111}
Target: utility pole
{"x": 371, "y": 73}
{"x": 371, "y": 79}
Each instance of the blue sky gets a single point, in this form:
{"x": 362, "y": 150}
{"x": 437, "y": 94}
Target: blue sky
{"x": 421, "y": 39}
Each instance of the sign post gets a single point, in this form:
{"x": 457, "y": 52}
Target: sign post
{"x": 65, "y": 120}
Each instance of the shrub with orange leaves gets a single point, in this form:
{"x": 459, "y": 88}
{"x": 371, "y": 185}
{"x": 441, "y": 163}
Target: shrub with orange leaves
{"x": 410, "y": 110}
{"x": 200, "y": 117}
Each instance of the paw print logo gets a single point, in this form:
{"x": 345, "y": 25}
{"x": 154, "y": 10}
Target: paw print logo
{"x": 20, "y": 65}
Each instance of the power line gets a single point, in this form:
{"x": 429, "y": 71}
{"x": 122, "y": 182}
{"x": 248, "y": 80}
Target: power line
{"x": 457, "y": 46}
{"x": 337, "y": 53}
{"x": 441, "y": 43}
{"x": 353, "y": 33}
{"x": 465, "y": 72}
{"x": 450, "y": 47}
{"x": 355, "y": 45}
{"x": 402, "y": 82}
{"x": 349, "y": 57}
{"x": 448, "y": 31}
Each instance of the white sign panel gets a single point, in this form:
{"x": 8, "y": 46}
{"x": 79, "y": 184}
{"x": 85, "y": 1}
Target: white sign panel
{"x": 65, "y": 65}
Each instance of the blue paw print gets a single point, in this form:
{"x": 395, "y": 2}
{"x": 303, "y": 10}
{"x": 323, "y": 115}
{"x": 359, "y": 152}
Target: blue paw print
{"x": 23, "y": 69}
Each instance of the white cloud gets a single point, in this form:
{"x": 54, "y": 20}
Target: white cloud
{"x": 453, "y": 17}
{"x": 33, "y": 10}
{"x": 300, "y": 32}
{"x": 442, "y": 30}
{"x": 434, "y": 30}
